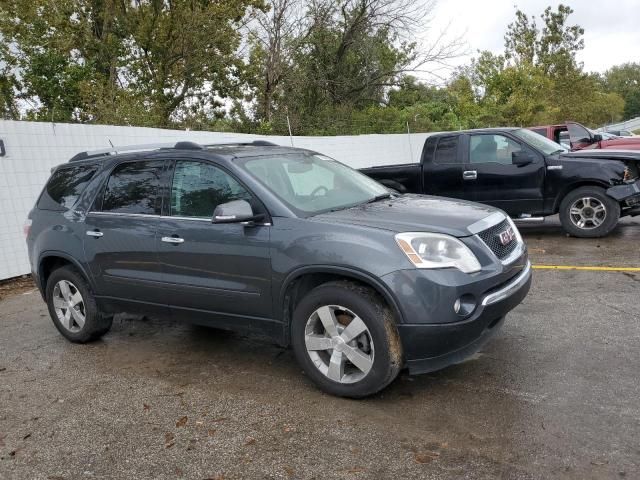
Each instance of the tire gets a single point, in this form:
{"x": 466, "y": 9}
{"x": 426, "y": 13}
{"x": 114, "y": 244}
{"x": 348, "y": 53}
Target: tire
{"x": 378, "y": 348}
{"x": 589, "y": 201}
{"x": 66, "y": 318}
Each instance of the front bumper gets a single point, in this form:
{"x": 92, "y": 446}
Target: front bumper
{"x": 433, "y": 346}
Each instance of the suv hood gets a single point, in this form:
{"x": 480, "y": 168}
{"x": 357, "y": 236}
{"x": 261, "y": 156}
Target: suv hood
{"x": 414, "y": 213}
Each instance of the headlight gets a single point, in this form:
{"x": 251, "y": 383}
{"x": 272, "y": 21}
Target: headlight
{"x": 435, "y": 250}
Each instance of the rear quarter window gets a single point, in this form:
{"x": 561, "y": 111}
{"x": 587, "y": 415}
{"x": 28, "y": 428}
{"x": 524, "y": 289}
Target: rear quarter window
{"x": 65, "y": 187}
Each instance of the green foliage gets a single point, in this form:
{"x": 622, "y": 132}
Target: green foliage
{"x": 625, "y": 81}
{"x": 326, "y": 67}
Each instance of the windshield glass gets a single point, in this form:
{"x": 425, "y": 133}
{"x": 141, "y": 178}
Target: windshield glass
{"x": 536, "y": 140}
{"x": 311, "y": 183}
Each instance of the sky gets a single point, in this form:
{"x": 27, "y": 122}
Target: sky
{"x": 612, "y": 29}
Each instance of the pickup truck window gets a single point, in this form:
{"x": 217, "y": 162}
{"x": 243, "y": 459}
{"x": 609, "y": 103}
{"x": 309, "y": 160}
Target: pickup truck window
{"x": 492, "y": 149}
{"x": 543, "y": 144}
{"x": 447, "y": 150}
{"x": 312, "y": 184}
{"x": 540, "y": 131}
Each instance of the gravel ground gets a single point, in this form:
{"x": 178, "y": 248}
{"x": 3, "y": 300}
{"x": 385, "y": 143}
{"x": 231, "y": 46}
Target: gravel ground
{"x": 554, "y": 395}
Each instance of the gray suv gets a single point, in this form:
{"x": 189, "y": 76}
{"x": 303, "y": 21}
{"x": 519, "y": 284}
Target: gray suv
{"x": 277, "y": 241}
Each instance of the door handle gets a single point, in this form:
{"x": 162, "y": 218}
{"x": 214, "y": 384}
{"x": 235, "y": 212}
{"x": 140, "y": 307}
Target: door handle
{"x": 470, "y": 175}
{"x": 174, "y": 240}
{"x": 95, "y": 233}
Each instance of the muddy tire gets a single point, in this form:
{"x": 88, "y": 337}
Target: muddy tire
{"x": 345, "y": 338}
{"x": 73, "y": 308}
{"x": 589, "y": 212}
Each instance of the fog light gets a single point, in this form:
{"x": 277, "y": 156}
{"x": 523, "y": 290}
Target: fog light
{"x": 465, "y": 305}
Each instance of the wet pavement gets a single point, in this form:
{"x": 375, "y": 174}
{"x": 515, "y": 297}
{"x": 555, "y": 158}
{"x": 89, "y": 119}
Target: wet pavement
{"x": 554, "y": 395}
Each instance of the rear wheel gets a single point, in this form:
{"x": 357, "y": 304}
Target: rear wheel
{"x": 73, "y": 308}
{"x": 344, "y": 337}
{"x": 589, "y": 212}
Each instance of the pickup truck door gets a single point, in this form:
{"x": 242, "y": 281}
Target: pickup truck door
{"x": 442, "y": 167}
{"x": 491, "y": 176}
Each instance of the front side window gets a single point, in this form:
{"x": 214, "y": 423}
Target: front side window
{"x": 311, "y": 183}
{"x": 492, "y": 149}
{"x": 133, "y": 188}
{"x": 65, "y": 186}
{"x": 198, "y": 188}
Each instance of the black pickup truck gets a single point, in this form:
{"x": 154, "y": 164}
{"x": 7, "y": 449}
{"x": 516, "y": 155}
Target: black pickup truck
{"x": 526, "y": 175}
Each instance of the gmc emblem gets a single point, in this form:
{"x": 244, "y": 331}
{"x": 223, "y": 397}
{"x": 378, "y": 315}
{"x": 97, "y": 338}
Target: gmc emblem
{"x": 507, "y": 236}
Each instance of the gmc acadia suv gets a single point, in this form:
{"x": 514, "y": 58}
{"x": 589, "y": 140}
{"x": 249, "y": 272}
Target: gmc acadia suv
{"x": 280, "y": 241}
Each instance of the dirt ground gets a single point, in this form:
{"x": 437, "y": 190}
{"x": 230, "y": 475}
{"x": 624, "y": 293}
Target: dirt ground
{"x": 554, "y": 395}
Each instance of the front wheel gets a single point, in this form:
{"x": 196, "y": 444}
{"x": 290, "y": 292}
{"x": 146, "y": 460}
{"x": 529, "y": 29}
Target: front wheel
{"x": 589, "y": 212}
{"x": 344, "y": 337}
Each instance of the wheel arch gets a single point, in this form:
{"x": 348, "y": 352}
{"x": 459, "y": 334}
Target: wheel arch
{"x": 301, "y": 281}
{"x": 574, "y": 186}
{"x": 51, "y": 260}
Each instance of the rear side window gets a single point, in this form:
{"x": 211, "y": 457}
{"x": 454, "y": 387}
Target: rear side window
{"x": 540, "y": 131}
{"x": 447, "y": 150}
{"x": 133, "y": 188}
{"x": 65, "y": 186}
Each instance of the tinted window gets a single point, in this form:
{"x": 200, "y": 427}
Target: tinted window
{"x": 540, "y": 131}
{"x": 492, "y": 149}
{"x": 198, "y": 188}
{"x": 65, "y": 186}
{"x": 447, "y": 150}
{"x": 133, "y": 188}
{"x": 429, "y": 148}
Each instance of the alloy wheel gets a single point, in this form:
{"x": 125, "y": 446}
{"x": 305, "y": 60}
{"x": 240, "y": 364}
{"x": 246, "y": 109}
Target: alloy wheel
{"x": 587, "y": 213}
{"x": 69, "y": 306}
{"x": 339, "y": 344}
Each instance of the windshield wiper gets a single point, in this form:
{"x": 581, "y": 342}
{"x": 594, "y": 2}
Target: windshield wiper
{"x": 377, "y": 198}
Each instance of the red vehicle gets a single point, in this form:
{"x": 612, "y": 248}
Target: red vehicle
{"x": 574, "y": 136}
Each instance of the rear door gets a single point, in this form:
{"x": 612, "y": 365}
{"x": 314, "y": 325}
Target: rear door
{"x": 443, "y": 167}
{"x": 120, "y": 233}
{"x": 497, "y": 181}
{"x": 214, "y": 272}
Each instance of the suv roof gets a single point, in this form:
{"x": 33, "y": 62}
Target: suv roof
{"x": 237, "y": 149}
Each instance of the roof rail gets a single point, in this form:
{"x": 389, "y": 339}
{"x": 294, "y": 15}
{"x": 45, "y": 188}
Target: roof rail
{"x": 134, "y": 148}
{"x": 255, "y": 143}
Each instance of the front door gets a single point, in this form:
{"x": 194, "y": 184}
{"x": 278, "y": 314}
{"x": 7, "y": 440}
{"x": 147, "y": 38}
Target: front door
{"x": 496, "y": 181}
{"x": 120, "y": 233}
{"x": 213, "y": 270}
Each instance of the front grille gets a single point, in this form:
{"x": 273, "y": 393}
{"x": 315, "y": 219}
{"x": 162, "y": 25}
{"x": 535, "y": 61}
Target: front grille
{"x": 491, "y": 237}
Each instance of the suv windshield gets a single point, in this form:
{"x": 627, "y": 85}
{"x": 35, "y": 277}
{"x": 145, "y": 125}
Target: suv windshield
{"x": 312, "y": 183}
{"x": 536, "y": 140}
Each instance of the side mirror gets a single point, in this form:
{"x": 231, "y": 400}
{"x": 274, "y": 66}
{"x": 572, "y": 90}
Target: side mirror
{"x": 237, "y": 211}
{"x": 521, "y": 158}
{"x": 596, "y": 138}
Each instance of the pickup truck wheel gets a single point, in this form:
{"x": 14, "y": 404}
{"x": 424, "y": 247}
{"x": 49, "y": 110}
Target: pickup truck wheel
{"x": 72, "y": 307}
{"x": 344, "y": 337}
{"x": 589, "y": 212}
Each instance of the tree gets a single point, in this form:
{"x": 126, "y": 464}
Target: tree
{"x": 150, "y": 60}
{"x": 625, "y": 81}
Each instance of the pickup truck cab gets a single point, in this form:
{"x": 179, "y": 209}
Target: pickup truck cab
{"x": 574, "y": 136}
{"x": 526, "y": 175}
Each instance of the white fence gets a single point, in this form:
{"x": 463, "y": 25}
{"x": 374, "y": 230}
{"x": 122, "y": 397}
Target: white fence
{"x": 631, "y": 125}
{"x": 33, "y": 148}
